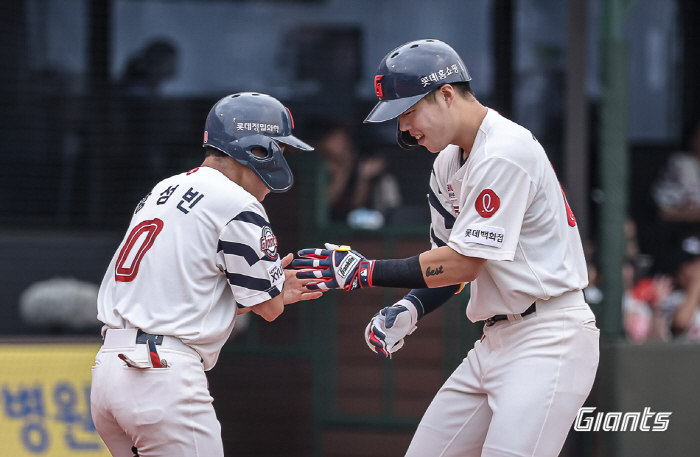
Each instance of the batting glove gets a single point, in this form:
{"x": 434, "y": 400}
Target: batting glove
{"x": 386, "y": 331}
{"x": 336, "y": 267}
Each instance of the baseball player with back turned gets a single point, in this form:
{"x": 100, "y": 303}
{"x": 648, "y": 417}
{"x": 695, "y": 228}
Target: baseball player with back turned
{"x": 199, "y": 251}
{"x": 500, "y": 220}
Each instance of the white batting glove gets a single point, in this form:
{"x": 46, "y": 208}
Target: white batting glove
{"x": 386, "y": 331}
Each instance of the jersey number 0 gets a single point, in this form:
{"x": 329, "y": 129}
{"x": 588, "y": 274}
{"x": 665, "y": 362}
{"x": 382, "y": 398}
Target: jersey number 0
{"x": 135, "y": 247}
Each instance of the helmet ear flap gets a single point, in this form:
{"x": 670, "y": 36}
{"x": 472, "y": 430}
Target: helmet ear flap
{"x": 273, "y": 170}
{"x": 406, "y": 140}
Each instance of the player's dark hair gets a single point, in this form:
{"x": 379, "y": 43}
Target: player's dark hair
{"x": 463, "y": 88}
{"x": 209, "y": 151}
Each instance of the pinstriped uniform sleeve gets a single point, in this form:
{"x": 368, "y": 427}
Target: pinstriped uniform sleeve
{"x": 441, "y": 218}
{"x": 249, "y": 250}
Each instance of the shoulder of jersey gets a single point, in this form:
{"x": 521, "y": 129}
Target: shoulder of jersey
{"x": 222, "y": 190}
{"x": 510, "y": 140}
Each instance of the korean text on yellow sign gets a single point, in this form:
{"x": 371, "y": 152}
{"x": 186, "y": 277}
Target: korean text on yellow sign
{"x": 46, "y": 401}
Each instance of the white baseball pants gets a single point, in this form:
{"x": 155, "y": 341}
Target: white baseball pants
{"x": 161, "y": 411}
{"x": 519, "y": 389}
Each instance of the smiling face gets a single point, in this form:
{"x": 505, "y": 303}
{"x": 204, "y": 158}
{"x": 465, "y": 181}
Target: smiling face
{"x": 446, "y": 116}
{"x": 428, "y": 121}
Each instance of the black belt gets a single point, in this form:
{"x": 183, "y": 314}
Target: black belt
{"x": 502, "y": 317}
{"x": 143, "y": 337}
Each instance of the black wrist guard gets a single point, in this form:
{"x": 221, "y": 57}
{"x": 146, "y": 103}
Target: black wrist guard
{"x": 428, "y": 300}
{"x": 401, "y": 273}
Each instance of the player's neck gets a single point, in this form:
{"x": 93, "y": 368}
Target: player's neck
{"x": 238, "y": 173}
{"x": 472, "y": 115}
{"x": 223, "y": 165}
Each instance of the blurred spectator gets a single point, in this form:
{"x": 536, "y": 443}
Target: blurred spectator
{"x": 146, "y": 122}
{"x": 353, "y": 182}
{"x": 644, "y": 296}
{"x": 147, "y": 69}
{"x": 682, "y": 306}
{"x": 677, "y": 191}
{"x": 643, "y": 313}
{"x": 643, "y": 318}
{"x": 637, "y": 265}
{"x": 593, "y": 293}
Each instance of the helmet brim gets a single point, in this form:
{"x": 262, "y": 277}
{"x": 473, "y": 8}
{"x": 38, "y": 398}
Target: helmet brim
{"x": 293, "y": 141}
{"x": 389, "y": 109}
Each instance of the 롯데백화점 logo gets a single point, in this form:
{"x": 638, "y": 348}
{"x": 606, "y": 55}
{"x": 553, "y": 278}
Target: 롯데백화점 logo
{"x": 647, "y": 421}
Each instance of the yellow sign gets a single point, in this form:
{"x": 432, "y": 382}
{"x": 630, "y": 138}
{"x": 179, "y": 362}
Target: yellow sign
{"x": 46, "y": 401}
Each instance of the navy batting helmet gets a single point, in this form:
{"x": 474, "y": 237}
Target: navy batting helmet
{"x": 409, "y": 73}
{"x": 240, "y": 122}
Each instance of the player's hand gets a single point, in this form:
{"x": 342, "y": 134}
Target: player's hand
{"x": 386, "y": 331}
{"x": 336, "y": 267}
{"x": 294, "y": 288}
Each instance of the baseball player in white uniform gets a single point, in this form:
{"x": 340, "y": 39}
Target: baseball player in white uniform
{"x": 199, "y": 251}
{"x": 500, "y": 220}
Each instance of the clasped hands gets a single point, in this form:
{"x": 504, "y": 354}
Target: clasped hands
{"x": 340, "y": 267}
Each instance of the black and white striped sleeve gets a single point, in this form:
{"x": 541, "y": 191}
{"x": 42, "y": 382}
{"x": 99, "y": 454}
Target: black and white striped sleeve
{"x": 249, "y": 248}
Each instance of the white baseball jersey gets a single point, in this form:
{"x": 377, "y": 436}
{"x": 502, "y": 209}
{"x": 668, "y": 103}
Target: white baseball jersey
{"x": 198, "y": 245}
{"x": 505, "y": 205}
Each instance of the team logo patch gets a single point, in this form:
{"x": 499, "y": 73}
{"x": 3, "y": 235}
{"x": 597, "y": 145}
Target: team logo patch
{"x": 268, "y": 242}
{"x": 487, "y": 203}
{"x": 378, "y": 86}
{"x": 483, "y": 234}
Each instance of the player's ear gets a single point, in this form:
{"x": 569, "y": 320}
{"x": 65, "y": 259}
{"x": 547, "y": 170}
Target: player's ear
{"x": 447, "y": 93}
